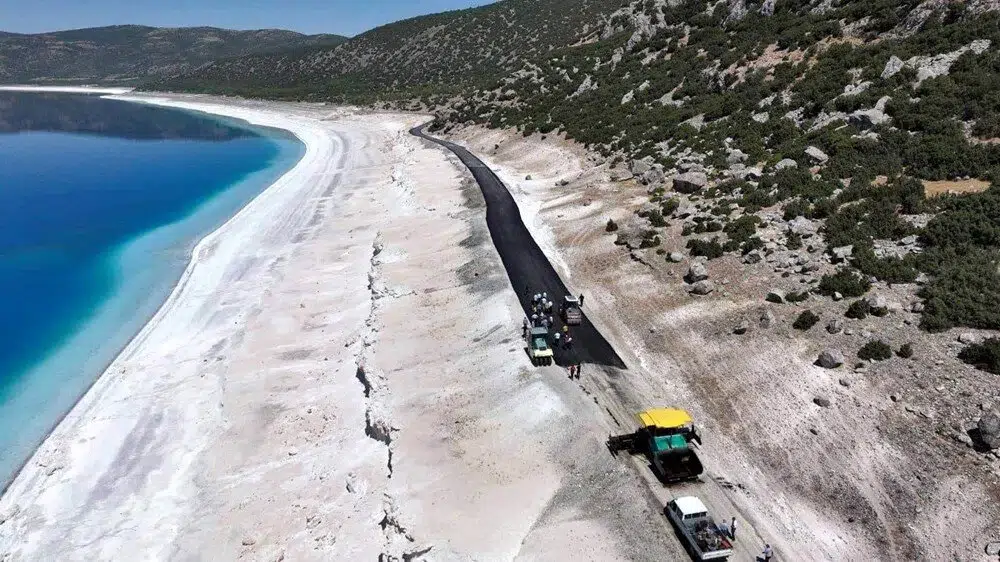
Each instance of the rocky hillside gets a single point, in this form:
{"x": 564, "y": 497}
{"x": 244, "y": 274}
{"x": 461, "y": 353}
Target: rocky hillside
{"x": 441, "y": 51}
{"x": 835, "y": 118}
{"x": 128, "y": 53}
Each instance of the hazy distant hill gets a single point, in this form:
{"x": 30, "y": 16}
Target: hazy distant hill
{"x": 127, "y": 53}
{"x": 447, "y": 49}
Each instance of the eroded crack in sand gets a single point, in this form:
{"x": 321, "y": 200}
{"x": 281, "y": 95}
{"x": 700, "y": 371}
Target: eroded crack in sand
{"x": 399, "y": 543}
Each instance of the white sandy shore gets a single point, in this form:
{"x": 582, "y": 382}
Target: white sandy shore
{"x": 66, "y": 89}
{"x": 337, "y": 376}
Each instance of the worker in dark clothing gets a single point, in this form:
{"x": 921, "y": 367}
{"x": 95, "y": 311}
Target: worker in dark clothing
{"x": 581, "y": 299}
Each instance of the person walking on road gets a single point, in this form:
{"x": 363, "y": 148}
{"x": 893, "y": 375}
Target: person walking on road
{"x": 732, "y": 529}
{"x": 524, "y": 329}
{"x": 578, "y": 370}
{"x": 581, "y": 299}
{"x": 767, "y": 555}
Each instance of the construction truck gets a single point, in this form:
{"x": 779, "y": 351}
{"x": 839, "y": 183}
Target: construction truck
{"x": 665, "y": 437}
{"x": 571, "y": 312}
{"x": 538, "y": 346}
{"x": 702, "y": 537}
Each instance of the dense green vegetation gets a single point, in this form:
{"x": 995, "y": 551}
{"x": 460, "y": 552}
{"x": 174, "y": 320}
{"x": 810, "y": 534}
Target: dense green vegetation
{"x": 429, "y": 56}
{"x": 962, "y": 256}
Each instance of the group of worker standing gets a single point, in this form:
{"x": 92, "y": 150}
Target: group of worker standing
{"x": 541, "y": 316}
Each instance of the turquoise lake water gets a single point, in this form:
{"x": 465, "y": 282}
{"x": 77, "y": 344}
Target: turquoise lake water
{"x": 101, "y": 203}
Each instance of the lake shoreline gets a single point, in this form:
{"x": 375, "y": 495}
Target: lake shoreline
{"x": 142, "y": 289}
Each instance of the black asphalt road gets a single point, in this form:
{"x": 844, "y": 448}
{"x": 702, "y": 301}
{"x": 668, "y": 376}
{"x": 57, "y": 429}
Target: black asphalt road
{"x": 527, "y": 267}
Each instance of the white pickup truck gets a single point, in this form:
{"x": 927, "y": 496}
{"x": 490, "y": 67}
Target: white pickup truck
{"x": 702, "y": 537}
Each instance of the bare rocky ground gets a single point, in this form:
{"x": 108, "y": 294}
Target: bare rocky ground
{"x": 871, "y": 460}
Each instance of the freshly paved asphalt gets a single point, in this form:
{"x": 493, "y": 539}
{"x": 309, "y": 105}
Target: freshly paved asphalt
{"x": 527, "y": 267}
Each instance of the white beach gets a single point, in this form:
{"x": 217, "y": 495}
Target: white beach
{"x": 337, "y": 376}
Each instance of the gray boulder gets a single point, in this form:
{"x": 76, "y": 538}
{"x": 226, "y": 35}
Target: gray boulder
{"x": 830, "y": 359}
{"x": 816, "y": 154}
{"x": 841, "y": 253}
{"x": 753, "y": 257}
{"x": 690, "y": 182}
{"x": 702, "y": 288}
{"x": 736, "y": 156}
{"x": 892, "y": 67}
{"x": 652, "y": 176}
{"x": 742, "y": 328}
{"x": 697, "y": 272}
{"x": 822, "y": 402}
{"x": 776, "y": 296}
{"x": 835, "y": 326}
{"x": 630, "y": 235}
{"x": 786, "y": 163}
{"x": 803, "y": 227}
{"x": 879, "y": 305}
{"x": 968, "y": 338}
{"x": 639, "y": 167}
{"x": 989, "y": 430}
{"x": 675, "y": 257}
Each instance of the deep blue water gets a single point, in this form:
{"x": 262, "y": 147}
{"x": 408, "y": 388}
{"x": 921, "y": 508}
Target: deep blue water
{"x": 101, "y": 202}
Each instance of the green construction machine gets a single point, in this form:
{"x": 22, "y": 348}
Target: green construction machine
{"x": 538, "y": 346}
{"x": 665, "y": 437}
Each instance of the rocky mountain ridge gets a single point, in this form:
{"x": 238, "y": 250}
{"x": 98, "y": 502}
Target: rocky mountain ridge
{"x": 126, "y": 54}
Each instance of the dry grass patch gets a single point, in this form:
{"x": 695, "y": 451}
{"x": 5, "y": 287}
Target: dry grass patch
{"x": 935, "y": 188}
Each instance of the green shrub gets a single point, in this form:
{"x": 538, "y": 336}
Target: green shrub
{"x": 710, "y": 249}
{"x": 612, "y": 226}
{"x": 793, "y": 241}
{"x": 890, "y": 270}
{"x": 752, "y": 244}
{"x": 846, "y": 282}
{"x": 984, "y": 356}
{"x": 742, "y": 228}
{"x": 875, "y": 350}
{"x": 670, "y": 206}
{"x": 964, "y": 289}
{"x": 906, "y": 351}
{"x": 806, "y": 320}
{"x": 650, "y": 239}
{"x": 796, "y": 208}
{"x": 687, "y": 230}
{"x": 656, "y": 219}
{"x": 858, "y": 310}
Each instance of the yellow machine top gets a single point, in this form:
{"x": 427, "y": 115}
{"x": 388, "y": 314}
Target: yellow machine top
{"x": 664, "y": 417}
